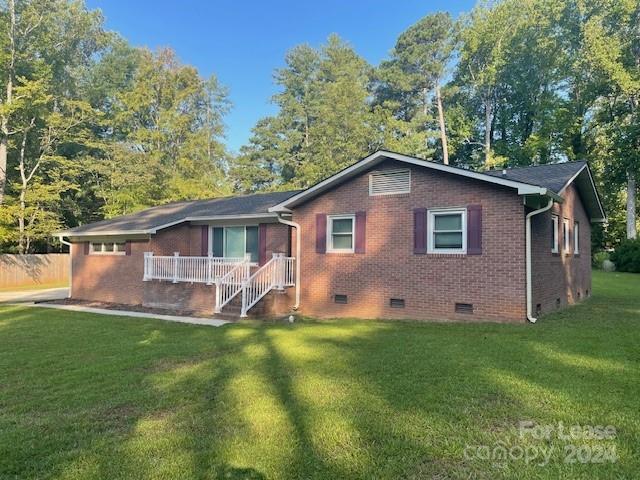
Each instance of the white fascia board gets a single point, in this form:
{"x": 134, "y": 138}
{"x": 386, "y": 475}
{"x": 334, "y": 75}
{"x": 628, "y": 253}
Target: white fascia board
{"x": 523, "y": 188}
{"x": 603, "y": 217}
{"x": 105, "y": 233}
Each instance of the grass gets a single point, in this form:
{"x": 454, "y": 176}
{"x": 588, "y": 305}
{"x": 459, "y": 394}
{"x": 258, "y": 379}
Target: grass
{"x": 86, "y": 396}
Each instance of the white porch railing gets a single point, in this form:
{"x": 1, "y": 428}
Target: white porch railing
{"x": 230, "y": 285}
{"x": 230, "y": 275}
{"x": 277, "y": 273}
{"x": 188, "y": 269}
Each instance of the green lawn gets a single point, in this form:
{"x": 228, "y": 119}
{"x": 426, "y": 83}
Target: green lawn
{"x": 88, "y": 396}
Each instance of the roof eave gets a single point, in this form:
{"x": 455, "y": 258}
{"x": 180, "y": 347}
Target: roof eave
{"x": 203, "y": 218}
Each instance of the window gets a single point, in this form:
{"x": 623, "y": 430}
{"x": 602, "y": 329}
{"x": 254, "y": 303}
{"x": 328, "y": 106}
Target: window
{"x": 234, "y": 242}
{"x": 576, "y": 238}
{"x": 108, "y": 248}
{"x": 447, "y": 231}
{"x": 566, "y": 239}
{"x": 554, "y": 234}
{"x": 390, "y": 182}
{"x": 340, "y": 233}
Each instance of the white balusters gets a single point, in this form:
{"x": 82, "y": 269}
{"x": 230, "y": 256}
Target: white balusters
{"x": 230, "y": 275}
{"x": 276, "y": 273}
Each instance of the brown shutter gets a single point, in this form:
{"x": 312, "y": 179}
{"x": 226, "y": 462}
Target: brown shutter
{"x": 474, "y": 230}
{"x": 127, "y": 248}
{"x": 321, "y": 232}
{"x": 361, "y": 232}
{"x": 204, "y": 240}
{"x": 420, "y": 230}
{"x": 86, "y": 248}
{"x": 262, "y": 243}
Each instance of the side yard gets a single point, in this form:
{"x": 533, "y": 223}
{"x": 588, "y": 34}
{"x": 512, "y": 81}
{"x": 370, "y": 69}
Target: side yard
{"x": 87, "y": 396}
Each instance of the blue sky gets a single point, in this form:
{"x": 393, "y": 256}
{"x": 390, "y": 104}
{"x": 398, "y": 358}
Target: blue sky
{"x": 242, "y": 42}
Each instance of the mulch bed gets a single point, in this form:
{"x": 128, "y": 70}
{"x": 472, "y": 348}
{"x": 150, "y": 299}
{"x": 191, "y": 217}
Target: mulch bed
{"x": 129, "y": 308}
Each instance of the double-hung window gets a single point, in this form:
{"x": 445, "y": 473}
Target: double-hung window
{"x": 107, "y": 248}
{"x": 235, "y": 242}
{"x": 447, "y": 231}
{"x": 566, "y": 237}
{"x": 576, "y": 238}
{"x": 554, "y": 233}
{"x": 341, "y": 234}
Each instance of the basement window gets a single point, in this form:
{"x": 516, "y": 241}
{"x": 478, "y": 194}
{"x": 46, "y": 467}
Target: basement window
{"x": 340, "y": 298}
{"x": 107, "y": 248}
{"x": 390, "y": 182}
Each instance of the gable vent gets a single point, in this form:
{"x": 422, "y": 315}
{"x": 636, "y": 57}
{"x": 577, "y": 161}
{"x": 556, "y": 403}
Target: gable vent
{"x": 390, "y": 182}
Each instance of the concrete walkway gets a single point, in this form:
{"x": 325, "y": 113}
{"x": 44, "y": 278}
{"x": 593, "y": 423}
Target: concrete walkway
{"x": 125, "y": 313}
{"x": 17, "y": 296}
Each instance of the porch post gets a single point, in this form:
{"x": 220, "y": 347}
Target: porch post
{"x": 209, "y": 270}
{"x": 175, "y": 266}
{"x": 148, "y": 266}
{"x": 217, "y": 308}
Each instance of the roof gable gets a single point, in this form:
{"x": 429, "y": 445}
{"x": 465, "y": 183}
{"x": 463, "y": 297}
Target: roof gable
{"x": 557, "y": 177}
{"x": 522, "y": 188}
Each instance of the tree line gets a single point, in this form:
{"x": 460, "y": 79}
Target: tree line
{"x": 91, "y": 127}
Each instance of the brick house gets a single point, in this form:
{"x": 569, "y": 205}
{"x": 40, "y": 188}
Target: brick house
{"x": 391, "y": 236}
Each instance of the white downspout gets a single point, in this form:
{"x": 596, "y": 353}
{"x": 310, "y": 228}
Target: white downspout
{"x": 298, "y": 249}
{"x": 530, "y": 316}
{"x": 64, "y": 242}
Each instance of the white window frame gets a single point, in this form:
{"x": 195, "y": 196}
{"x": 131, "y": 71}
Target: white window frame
{"x": 224, "y": 239}
{"x": 555, "y": 225}
{"x": 102, "y": 251}
{"x": 566, "y": 236}
{"x": 432, "y": 214}
{"x": 576, "y": 238}
{"x": 330, "y": 219}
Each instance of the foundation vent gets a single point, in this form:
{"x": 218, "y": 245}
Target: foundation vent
{"x": 396, "y": 302}
{"x": 464, "y": 308}
{"x": 340, "y": 298}
{"x": 390, "y": 182}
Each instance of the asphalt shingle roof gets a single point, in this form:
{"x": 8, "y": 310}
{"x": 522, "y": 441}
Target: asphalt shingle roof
{"x": 154, "y": 217}
{"x": 553, "y": 176}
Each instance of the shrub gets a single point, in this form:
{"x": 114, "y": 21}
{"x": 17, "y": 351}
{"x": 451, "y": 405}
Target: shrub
{"x": 599, "y": 258}
{"x": 626, "y": 256}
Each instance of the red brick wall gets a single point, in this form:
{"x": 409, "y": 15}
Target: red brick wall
{"x": 561, "y": 275}
{"x": 277, "y": 238}
{"x": 493, "y": 282}
{"x": 118, "y": 278}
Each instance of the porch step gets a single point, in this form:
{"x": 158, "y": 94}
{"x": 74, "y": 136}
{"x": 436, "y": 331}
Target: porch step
{"x": 233, "y": 309}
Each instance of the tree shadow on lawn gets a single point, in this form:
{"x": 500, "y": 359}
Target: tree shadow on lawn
{"x": 318, "y": 400}
{"x": 478, "y": 381}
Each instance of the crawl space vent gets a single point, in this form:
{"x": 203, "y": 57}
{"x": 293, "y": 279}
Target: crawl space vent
{"x": 390, "y": 182}
{"x": 464, "y": 308}
{"x": 340, "y": 299}
{"x": 396, "y": 302}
